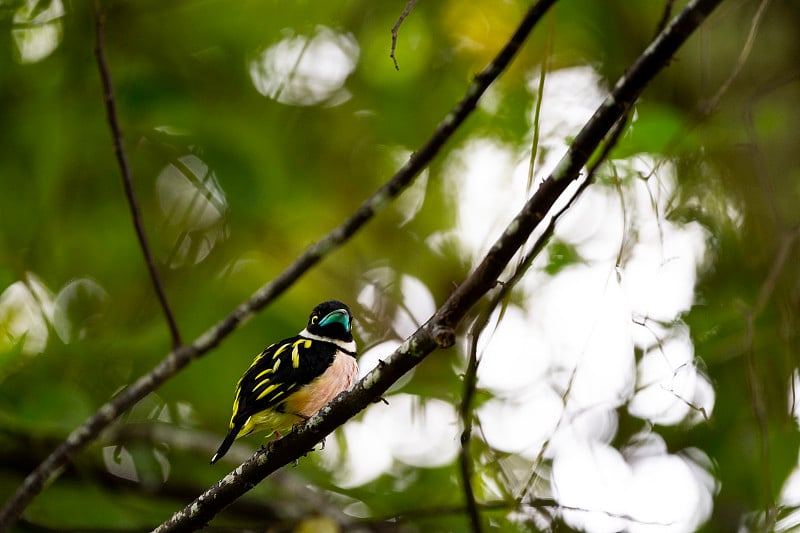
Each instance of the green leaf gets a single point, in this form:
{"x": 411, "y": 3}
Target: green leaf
{"x": 561, "y": 255}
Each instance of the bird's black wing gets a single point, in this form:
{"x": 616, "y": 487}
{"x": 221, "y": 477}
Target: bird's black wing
{"x": 277, "y": 372}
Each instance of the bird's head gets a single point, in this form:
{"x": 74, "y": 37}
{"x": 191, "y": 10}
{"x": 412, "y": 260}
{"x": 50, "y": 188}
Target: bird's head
{"x": 331, "y": 319}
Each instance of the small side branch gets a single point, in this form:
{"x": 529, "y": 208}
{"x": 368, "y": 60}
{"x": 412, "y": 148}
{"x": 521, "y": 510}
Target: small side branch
{"x": 465, "y": 412}
{"x": 665, "y": 16}
{"x": 127, "y": 182}
{"x": 396, "y": 28}
{"x": 755, "y": 379}
{"x": 743, "y": 55}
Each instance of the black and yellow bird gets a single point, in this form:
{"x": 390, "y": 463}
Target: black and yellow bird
{"x": 293, "y": 379}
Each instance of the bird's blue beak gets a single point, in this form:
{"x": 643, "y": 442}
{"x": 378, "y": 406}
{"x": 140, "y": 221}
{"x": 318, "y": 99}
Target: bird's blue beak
{"x": 340, "y": 316}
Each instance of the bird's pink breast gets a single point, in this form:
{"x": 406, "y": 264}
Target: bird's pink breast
{"x": 312, "y": 397}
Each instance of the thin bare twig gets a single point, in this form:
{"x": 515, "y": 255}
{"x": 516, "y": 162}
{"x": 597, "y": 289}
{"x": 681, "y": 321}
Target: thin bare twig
{"x": 539, "y": 503}
{"x": 754, "y": 381}
{"x": 183, "y": 355}
{"x": 396, "y": 28}
{"x": 125, "y": 170}
{"x": 706, "y": 108}
{"x": 665, "y": 16}
{"x": 537, "y": 110}
{"x": 439, "y": 330}
{"x": 465, "y": 413}
{"x": 471, "y": 376}
{"x": 762, "y": 168}
{"x": 743, "y": 55}
{"x": 761, "y": 162}
{"x": 440, "y": 510}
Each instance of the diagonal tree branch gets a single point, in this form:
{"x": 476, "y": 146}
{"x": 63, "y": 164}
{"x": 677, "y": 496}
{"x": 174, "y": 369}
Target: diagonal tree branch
{"x": 439, "y": 330}
{"x": 181, "y": 356}
{"x": 125, "y": 170}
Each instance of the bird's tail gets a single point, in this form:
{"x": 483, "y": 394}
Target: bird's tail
{"x": 226, "y": 444}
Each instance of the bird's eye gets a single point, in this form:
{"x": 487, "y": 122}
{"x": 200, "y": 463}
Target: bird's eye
{"x": 314, "y": 319}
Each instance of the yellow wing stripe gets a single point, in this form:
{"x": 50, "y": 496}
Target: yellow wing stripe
{"x": 235, "y": 408}
{"x": 276, "y": 396}
{"x": 263, "y": 380}
{"x": 261, "y": 384}
{"x": 280, "y": 350}
{"x": 262, "y": 374}
{"x": 267, "y": 390}
{"x": 265, "y": 372}
{"x": 296, "y": 351}
{"x": 262, "y": 354}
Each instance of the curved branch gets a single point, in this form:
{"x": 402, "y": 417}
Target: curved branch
{"x": 396, "y": 28}
{"x": 127, "y": 181}
{"x": 181, "y": 356}
{"x": 439, "y": 330}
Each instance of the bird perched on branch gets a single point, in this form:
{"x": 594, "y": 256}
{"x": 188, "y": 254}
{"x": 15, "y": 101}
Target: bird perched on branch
{"x": 293, "y": 379}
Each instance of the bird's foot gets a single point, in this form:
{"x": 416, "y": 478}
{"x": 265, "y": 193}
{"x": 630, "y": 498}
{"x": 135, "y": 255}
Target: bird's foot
{"x": 272, "y": 442}
{"x": 300, "y": 422}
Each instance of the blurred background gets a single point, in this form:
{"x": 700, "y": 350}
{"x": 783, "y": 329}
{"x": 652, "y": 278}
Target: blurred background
{"x": 642, "y": 376}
